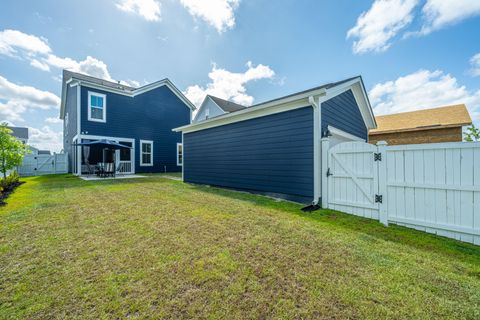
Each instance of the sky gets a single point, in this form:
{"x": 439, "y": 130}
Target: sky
{"x": 412, "y": 54}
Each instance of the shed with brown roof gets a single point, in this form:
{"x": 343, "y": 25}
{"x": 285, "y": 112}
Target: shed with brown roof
{"x": 443, "y": 124}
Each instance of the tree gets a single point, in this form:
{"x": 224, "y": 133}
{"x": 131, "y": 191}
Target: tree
{"x": 12, "y": 150}
{"x": 472, "y": 133}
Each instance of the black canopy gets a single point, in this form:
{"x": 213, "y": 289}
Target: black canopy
{"x": 105, "y": 144}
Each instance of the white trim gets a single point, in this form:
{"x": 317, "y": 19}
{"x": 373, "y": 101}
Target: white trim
{"x": 202, "y": 106}
{"x": 316, "y": 148}
{"x": 141, "y": 153}
{"x": 183, "y": 158}
{"x": 245, "y": 114}
{"x": 290, "y": 103}
{"x": 117, "y": 139}
{"x": 77, "y": 136}
{"x": 104, "y": 108}
{"x": 344, "y": 134}
{"x": 135, "y": 92}
{"x": 178, "y": 162}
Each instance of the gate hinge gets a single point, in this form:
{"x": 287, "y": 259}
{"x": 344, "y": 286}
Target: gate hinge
{"x": 377, "y": 156}
{"x": 378, "y": 198}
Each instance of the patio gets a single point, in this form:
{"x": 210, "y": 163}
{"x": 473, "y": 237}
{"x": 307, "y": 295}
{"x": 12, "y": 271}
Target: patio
{"x": 121, "y": 176}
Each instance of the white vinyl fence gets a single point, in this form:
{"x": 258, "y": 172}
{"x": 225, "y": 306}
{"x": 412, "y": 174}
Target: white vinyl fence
{"x": 429, "y": 187}
{"x": 36, "y": 165}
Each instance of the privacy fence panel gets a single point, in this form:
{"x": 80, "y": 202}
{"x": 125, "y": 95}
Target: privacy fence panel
{"x": 35, "y": 165}
{"x": 435, "y": 188}
{"x": 429, "y": 187}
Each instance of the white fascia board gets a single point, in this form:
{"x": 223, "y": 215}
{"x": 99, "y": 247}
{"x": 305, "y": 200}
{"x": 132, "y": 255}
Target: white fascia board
{"x": 141, "y": 90}
{"x": 360, "y": 95}
{"x": 286, "y": 104}
{"x": 204, "y": 103}
{"x": 343, "y": 134}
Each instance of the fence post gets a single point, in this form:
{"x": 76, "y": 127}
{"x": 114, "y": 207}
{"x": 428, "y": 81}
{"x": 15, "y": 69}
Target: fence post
{"x": 382, "y": 182}
{"x": 54, "y": 163}
{"x": 323, "y": 178}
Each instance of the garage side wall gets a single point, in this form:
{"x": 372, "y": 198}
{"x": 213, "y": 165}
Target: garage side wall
{"x": 270, "y": 155}
{"x": 342, "y": 112}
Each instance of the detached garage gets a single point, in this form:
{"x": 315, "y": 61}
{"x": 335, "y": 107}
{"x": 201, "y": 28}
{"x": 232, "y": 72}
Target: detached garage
{"x": 273, "y": 148}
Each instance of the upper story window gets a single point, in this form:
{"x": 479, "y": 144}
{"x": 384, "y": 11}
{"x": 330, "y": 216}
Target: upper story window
{"x": 97, "y": 107}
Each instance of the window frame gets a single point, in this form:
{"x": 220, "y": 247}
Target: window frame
{"x": 142, "y": 142}
{"x": 180, "y": 164}
{"x": 104, "y": 109}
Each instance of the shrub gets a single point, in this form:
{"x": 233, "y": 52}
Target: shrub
{"x": 10, "y": 181}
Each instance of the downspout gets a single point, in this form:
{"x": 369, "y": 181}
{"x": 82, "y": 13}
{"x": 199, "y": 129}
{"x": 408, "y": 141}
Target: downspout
{"x": 316, "y": 151}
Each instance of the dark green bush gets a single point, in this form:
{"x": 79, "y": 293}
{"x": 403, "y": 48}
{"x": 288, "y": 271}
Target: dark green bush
{"x": 10, "y": 181}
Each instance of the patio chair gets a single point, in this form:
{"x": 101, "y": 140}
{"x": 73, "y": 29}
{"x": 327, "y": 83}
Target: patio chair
{"x": 109, "y": 169}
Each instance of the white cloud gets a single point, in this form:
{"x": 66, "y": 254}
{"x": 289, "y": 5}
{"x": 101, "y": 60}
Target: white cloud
{"x": 39, "y": 65}
{"x": 422, "y": 90}
{"x": 383, "y": 21}
{"x": 229, "y": 85}
{"x": 440, "y": 13}
{"x": 45, "y": 138}
{"x": 36, "y": 50}
{"x": 218, "y": 13}
{"x": 17, "y": 99}
{"x": 90, "y": 66}
{"x": 131, "y": 83}
{"x": 150, "y": 10}
{"x": 53, "y": 120}
{"x": 12, "y": 110}
{"x": 475, "y": 62}
{"x": 13, "y": 40}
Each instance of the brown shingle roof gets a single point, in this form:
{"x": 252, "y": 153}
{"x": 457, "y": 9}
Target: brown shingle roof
{"x": 442, "y": 117}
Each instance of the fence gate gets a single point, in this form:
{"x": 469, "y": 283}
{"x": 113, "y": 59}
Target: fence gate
{"x": 353, "y": 172}
{"x": 35, "y": 165}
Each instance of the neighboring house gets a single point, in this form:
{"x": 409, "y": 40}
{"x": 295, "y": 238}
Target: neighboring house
{"x": 274, "y": 147}
{"x": 444, "y": 124}
{"x": 141, "y": 118}
{"x": 20, "y": 133}
{"x": 213, "y": 107}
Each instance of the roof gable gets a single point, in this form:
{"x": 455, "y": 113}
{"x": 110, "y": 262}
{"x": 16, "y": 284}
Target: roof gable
{"x": 227, "y": 106}
{"x": 69, "y": 77}
{"x": 304, "y": 98}
{"x": 448, "y": 116}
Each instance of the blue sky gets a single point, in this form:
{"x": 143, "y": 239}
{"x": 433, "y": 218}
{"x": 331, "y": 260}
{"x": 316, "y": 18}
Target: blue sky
{"x": 412, "y": 54}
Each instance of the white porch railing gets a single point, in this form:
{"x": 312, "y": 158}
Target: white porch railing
{"x": 124, "y": 167}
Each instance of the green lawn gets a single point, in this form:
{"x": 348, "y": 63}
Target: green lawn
{"x": 158, "y": 248}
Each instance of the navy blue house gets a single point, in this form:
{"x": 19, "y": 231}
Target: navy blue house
{"x": 142, "y": 118}
{"x": 274, "y": 147}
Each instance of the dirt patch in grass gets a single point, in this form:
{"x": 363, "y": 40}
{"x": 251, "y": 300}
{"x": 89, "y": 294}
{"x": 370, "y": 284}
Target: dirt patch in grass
{"x": 157, "y": 248}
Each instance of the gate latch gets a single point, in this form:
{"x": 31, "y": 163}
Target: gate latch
{"x": 329, "y": 173}
{"x": 377, "y": 156}
{"x": 378, "y": 198}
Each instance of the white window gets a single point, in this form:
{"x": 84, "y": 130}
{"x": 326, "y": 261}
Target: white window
{"x": 179, "y": 154}
{"x": 146, "y": 153}
{"x": 97, "y": 107}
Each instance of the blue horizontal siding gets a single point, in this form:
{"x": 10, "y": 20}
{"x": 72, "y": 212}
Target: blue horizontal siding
{"x": 271, "y": 155}
{"x": 148, "y": 116}
{"x": 342, "y": 112}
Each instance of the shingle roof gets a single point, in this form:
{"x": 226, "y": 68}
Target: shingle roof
{"x": 449, "y": 116}
{"x": 226, "y": 105}
{"x": 114, "y": 85}
{"x": 324, "y": 86}
{"x": 19, "y": 132}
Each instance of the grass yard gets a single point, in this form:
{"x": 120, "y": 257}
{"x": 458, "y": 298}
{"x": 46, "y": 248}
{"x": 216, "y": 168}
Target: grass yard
{"x": 158, "y": 248}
